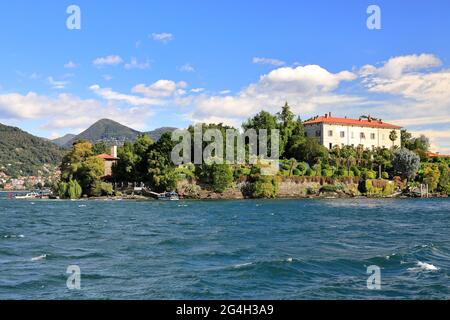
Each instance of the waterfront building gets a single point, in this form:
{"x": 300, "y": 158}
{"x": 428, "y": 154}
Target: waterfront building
{"x": 110, "y": 160}
{"x": 366, "y": 131}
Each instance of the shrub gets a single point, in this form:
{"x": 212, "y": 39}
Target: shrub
{"x": 74, "y": 190}
{"x": 378, "y": 187}
{"x": 327, "y": 173}
{"x": 329, "y": 188}
{"x": 385, "y": 175}
{"x": 356, "y": 171}
{"x": 311, "y": 191}
{"x": 303, "y": 167}
{"x": 61, "y": 189}
{"x": 370, "y": 174}
{"x": 101, "y": 189}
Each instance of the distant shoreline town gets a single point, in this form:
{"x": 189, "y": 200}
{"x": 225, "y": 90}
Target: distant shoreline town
{"x": 325, "y": 156}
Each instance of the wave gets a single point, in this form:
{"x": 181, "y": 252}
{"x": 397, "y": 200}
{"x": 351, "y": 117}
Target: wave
{"x": 39, "y": 258}
{"x": 267, "y": 262}
{"x": 13, "y": 236}
{"x": 423, "y": 266}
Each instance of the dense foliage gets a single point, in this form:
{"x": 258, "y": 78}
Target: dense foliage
{"x": 22, "y": 154}
{"x": 81, "y": 171}
{"x": 379, "y": 170}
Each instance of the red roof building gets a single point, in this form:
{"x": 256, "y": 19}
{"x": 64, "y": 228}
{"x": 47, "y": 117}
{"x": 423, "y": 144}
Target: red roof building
{"x": 110, "y": 160}
{"x": 436, "y": 155}
{"x": 372, "y": 123}
{"x": 366, "y": 131}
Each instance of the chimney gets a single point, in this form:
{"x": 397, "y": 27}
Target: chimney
{"x": 114, "y": 151}
{"x": 329, "y": 114}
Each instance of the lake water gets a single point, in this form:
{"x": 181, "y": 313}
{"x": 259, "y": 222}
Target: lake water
{"x": 267, "y": 249}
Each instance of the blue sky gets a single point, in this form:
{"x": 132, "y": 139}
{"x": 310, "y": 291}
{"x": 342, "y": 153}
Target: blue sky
{"x": 149, "y": 64}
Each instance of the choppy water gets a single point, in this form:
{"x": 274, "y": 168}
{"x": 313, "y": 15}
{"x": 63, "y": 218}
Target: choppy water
{"x": 281, "y": 249}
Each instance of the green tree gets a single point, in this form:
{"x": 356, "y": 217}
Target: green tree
{"x": 393, "y": 136}
{"x": 74, "y": 190}
{"x": 286, "y": 125}
{"x": 262, "y": 186}
{"x": 161, "y": 174}
{"x": 444, "y": 179}
{"x": 309, "y": 151}
{"x": 100, "y": 148}
{"x": 405, "y": 164}
{"x": 431, "y": 176}
{"x": 263, "y": 120}
{"x": 219, "y": 176}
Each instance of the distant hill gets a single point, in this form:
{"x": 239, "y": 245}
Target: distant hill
{"x": 63, "y": 140}
{"x": 24, "y": 154}
{"x": 106, "y": 130}
{"x": 111, "y": 132}
{"x": 157, "y": 133}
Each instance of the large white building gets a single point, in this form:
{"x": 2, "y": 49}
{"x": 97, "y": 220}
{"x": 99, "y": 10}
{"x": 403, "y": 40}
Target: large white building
{"x": 371, "y": 133}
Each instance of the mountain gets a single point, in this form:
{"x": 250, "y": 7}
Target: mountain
{"x": 24, "y": 154}
{"x": 111, "y": 132}
{"x": 106, "y": 130}
{"x": 157, "y": 133}
{"x": 63, "y": 140}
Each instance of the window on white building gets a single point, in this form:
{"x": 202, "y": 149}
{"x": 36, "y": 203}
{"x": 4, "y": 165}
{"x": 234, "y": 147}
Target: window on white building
{"x": 330, "y": 133}
{"x": 342, "y": 134}
{"x": 372, "y": 136}
{"x": 317, "y": 133}
{"x": 353, "y": 135}
{"x": 362, "y": 135}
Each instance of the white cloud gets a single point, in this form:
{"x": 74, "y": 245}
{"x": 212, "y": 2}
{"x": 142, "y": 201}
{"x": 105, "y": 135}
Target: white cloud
{"x": 273, "y": 62}
{"x": 57, "y": 84}
{"x": 110, "y": 95}
{"x": 417, "y": 95}
{"x": 163, "y": 37}
{"x": 111, "y": 60}
{"x": 161, "y": 89}
{"x": 186, "y": 68}
{"x": 135, "y": 64}
{"x": 70, "y": 65}
{"x": 197, "y": 90}
{"x": 306, "y": 88}
{"x": 397, "y": 66}
{"x": 107, "y": 77}
{"x": 67, "y": 111}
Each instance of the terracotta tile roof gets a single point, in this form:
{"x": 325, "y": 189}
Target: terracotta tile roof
{"x": 351, "y": 122}
{"x": 436, "y": 154}
{"x": 107, "y": 157}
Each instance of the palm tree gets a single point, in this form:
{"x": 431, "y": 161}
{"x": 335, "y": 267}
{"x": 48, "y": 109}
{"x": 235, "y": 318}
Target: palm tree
{"x": 393, "y": 137}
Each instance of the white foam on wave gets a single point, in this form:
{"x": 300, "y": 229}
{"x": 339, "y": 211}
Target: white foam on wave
{"x": 41, "y": 257}
{"x": 243, "y": 265}
{"x": 13, "y": 236}
{"x": 423, "y": 266}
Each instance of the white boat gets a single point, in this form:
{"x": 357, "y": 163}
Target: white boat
{"x": 169, "y": 196}
{"x": 31, "y": 195}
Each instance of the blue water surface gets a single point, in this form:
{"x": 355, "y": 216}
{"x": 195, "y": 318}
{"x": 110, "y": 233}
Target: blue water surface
{"x": 252, "y": 249}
